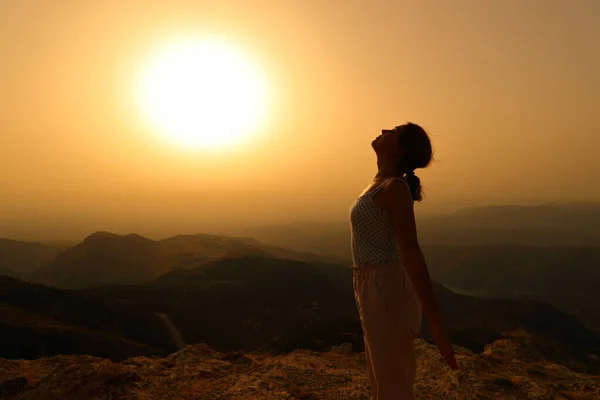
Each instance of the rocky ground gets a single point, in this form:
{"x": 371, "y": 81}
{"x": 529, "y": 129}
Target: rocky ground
{"x": 504, "y": 371}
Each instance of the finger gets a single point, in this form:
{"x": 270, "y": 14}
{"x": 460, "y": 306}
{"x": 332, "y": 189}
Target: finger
{"x": 452, "y": 363}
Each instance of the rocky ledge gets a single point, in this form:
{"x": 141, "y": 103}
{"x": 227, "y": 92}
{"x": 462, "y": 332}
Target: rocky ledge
{"x": 504, "y": 370}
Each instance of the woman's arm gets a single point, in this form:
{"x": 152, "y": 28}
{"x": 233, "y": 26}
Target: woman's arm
{"x": 398, "y": 202}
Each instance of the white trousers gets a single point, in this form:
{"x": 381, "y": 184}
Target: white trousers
{"x": 390, "y": 315}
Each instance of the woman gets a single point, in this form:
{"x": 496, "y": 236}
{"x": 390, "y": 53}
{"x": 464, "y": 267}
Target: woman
{"x": 391, "y": 280}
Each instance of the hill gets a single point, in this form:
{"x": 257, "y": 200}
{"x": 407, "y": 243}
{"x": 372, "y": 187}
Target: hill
{"x": 22, "y": 258}
{"x": 282, "y": 305}
{"x": 37, "y": 321}
{"x": 257, "y": 303}
{"x": 213, "y": 247}
{"x": 549, "y": 252}
{"x": 503, "y": 370}
{"x": 328, "y": 238}
{"x": 573, "y": 224}
{"x": 7, "y": 272}
{"x": 105, "y": 258}
{"x": 566, "y": 277}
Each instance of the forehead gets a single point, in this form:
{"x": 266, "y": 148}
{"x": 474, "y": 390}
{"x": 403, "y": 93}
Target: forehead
{"x": 400, "y": 130}
{"x": 395, "y": 131}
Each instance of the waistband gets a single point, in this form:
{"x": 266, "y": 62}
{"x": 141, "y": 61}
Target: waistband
{"x": 393, "y": 263}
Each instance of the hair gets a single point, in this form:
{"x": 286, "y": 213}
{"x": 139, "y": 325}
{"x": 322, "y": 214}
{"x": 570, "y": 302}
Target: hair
{"x": 419, "y": 154}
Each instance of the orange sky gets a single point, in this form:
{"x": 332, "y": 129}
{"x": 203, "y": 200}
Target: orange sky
{"x": 509, "y": 90}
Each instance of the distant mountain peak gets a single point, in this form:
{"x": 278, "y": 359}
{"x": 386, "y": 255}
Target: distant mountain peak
{"x": 103, "y": 236}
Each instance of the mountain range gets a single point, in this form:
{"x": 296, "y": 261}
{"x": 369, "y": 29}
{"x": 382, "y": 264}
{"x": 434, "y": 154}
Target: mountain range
{"x": 255, "y": 303}
{"x": 549, "y": 225}
{"x": 105, "y": 258}
{"x": 564, "y": 276}
{"x": 117, "y": 296}
{"x": 20, "y": 258}
{"x": 549, "y": 252}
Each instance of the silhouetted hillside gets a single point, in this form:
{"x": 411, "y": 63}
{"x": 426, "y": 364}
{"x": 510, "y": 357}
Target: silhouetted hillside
{"x": 544, "y": 225}
{"x": 548, "y": 252}
{"x": 328, "y": 238}
{"x": 212, "y": 247}
{"x": 572, "y": 224}
{"x": 474, "y": 322}
{"x": 8, "y": 272}
{"x": 282, "y": 305}
{"x": 22, "y": 258}
{"x": 567, "y": 277}
{"x": 105, "y": 258}
{"x": 258, "y": 303}
{"x": 38, "y": 321}
{"x": 262, "y": 303}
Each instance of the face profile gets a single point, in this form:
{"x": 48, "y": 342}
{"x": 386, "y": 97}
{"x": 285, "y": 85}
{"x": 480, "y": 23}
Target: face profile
{"x": 388, "y": 143}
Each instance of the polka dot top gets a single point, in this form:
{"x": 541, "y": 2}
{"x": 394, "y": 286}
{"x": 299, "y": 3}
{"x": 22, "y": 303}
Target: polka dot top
{"x": 373, "y": 239}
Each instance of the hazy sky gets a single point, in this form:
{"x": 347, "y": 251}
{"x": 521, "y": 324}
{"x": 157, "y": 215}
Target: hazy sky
{"x": 509, "y": 90}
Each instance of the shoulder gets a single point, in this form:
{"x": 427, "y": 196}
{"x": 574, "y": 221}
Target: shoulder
{"x": 396, "y": 193}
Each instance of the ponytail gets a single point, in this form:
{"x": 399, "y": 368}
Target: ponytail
{"x": 414, "y": 183}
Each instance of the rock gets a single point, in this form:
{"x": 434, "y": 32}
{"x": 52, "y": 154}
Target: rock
{"x": 11, "y": 387}
{"x": 344, "y": 348}
{"x": 236, "y": 357}
{"x": 518, "y": 380}
{"x": 560, "y": 368}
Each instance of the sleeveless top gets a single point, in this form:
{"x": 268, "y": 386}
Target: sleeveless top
{"x": 373, "y": 239}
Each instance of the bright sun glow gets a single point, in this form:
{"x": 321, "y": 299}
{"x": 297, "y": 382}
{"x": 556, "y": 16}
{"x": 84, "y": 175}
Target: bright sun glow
{"x": 203, "y": 93}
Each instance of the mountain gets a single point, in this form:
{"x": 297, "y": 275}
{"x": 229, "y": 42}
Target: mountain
{"x": 105, "y": 258}
{"x": 549, "y": 252}
{"x": 213, "y": 247}
{"x": 567, "y": 277}
{"x": 281, "y": 305}
{"x": 7, "y": 272}
{"x": 328, "y": 238}
{"x": 37, "y": 321}
{"x": 22, "y": 258}
{"x": 572, "y": 224}
{"x": 268, "y": 303}
{"x": 504, "y": 370}
{"x": 257, "y": 303}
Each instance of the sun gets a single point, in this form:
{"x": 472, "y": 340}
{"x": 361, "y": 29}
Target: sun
{"x": 203, "y": 93}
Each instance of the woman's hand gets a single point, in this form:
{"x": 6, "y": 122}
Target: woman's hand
{"x": 445, "y": 347}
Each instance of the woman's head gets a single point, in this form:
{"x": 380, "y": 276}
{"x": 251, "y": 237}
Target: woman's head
{"x": 409, "y": 148}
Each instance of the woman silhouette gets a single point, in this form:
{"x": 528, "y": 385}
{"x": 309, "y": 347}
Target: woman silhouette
{"x": 390, "y": 276}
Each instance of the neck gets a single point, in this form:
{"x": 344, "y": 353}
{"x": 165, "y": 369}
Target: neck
{"x": 387, "y": 168}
